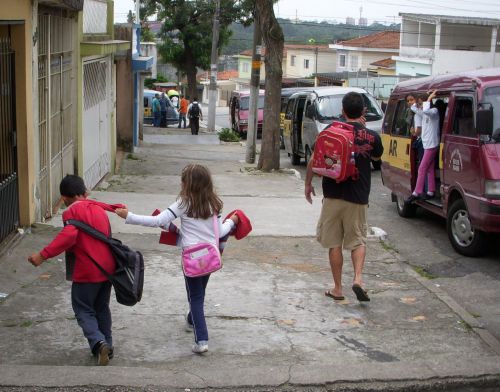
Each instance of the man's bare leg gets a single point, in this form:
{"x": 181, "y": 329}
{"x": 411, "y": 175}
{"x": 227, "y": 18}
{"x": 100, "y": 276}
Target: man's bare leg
{"x": 358, "y": 261}
{"x": 336, "y": 263}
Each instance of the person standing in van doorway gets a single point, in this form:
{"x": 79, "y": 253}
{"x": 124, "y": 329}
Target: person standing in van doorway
{"x": 430, "y": 141}
{"x": 163, "y": 110}
{"x": 183, "y": 109}
{"x": 414, "y": 120}
{"x": 342, "y": 223}
{"x": 195, "y": 114}
{"x": 155, "y": 108}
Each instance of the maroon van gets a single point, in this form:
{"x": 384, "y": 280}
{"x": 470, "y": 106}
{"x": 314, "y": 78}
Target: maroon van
{"x": 468, "y": 169}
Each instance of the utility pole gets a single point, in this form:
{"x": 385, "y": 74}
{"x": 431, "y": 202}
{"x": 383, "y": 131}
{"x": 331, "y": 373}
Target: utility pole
{"x": 253, "y": 112}
{"x": 212, "y": 96}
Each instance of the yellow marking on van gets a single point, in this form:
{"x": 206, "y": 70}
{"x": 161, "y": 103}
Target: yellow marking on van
{"x": 287, "y": 127}
{"x": 282, "y": 120}
{"x": 396, "y": 151}
{"x": 441, "y": 149}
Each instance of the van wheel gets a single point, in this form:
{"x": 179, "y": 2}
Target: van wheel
{"x": 405, "y": 210}
{"x": 308, "y": 155}
{"x": 377, "y": 164}
{"x": 463, "y": 237}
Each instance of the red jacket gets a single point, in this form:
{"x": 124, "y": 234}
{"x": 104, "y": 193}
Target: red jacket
{"x": 81, "y": 244}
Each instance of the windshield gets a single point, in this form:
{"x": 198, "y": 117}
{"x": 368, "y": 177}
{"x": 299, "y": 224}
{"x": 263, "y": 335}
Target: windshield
{"x": 330, "y": 107}
{"x": 492, "y": 96}
{"x": 245, "y": 103}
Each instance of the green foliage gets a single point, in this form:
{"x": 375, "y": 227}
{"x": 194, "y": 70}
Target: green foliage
{"x": 227, "y": 135}
{"x": 187, "y": 31}
{"x": 302, "y": 33}
{"x": 148, "y": 82}
{"x": 147, "y": 35}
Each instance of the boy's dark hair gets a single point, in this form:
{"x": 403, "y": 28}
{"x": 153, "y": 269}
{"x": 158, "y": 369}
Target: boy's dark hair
{"x": 72, "y": 186}
{"x": 353, "y": 105}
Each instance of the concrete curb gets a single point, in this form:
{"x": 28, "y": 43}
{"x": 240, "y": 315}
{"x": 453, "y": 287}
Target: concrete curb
{"x": 411, "y": 373}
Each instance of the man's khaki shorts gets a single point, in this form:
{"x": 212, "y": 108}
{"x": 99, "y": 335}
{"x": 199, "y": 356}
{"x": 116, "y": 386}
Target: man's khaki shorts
{"x": 342, "y": 224}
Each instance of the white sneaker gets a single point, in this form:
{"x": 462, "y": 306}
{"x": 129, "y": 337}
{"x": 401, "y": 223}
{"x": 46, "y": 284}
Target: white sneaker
{"x": 187, "y": 327}
{"x": 200, "y": 347}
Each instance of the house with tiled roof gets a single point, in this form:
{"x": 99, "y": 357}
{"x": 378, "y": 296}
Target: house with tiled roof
{"x": 437, "y": 44}
{"x": 383, "y": 67}
{"x": 225, "y": 85}
{"x": 300, "y": 61}
{"x": 358, "y": 53}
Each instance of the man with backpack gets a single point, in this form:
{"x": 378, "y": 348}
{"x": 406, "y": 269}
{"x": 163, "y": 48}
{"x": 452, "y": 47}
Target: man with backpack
{"x": 91, "y": 289}
{"x": 342, "y": 223}
{"x": 194, "y": 114}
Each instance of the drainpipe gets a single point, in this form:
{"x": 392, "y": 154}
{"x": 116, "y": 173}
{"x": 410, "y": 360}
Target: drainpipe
{"x": 494, "y": 34}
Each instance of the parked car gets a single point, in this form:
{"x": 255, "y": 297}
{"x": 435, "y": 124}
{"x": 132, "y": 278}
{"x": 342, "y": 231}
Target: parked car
{"x": 172, "y": 113}
{"x": 239, "y": 106}
{"x": 285, "y": 96}
{"x": 309, "y": 112}
{"x": 468, "y": 171}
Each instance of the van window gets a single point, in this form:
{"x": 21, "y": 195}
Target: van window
{"x": 245, "y": 103}
{"x": 463, "y": 117}
{"x": 492, "y": 96}
{"x": 330, "y": 107}
{"x": 403, "y": 120}
{"x": 289, "y": 108}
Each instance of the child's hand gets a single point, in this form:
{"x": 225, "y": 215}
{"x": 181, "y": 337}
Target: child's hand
{"x": 122, "y": 212}
{"x": 36, "y": 259}
{"x": 235, "y": 219}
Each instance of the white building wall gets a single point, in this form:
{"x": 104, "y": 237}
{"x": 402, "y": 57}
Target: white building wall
{"x": 149, "y": 49}
{"x": 448, "y": 61}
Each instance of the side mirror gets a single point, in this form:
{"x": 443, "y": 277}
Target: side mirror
{"x": 310, "y": 112}
{"x": 484, "y": 119}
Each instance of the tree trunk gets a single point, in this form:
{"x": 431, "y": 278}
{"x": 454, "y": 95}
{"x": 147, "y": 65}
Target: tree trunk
{"x": 190, "y": 69}
{"x": 272, "y": 35}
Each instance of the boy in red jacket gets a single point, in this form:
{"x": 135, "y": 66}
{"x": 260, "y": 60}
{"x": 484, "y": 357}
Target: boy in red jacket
{"x": 90, "y": 290}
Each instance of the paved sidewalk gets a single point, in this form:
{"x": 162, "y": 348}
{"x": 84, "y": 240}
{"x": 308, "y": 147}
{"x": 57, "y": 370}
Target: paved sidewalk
{"x": 269, "y": 323}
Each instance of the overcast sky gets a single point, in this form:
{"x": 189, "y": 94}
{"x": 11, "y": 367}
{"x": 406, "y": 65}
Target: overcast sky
{"x": 384, "y": 11}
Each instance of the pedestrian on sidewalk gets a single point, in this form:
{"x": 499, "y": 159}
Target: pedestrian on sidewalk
{"x": 195, "y": 206}
{"x": 90, "y": 289}
{"x": 195, "y": 114}
{"x": 156, "y": 109}
{"x": 163, "y": 110}
{"x": 342, "y": 223}
{"x": 183, "y": 109}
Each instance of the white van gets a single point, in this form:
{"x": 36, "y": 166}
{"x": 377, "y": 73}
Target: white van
{"x": 309, "y": 112}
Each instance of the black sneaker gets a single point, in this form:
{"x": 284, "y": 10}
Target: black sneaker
{"x": 102, "y": 353}
{"x": 111, "y": 353}
{"x": 426, "y": 196}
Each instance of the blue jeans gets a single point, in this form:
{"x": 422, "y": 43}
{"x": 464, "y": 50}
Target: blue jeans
{"x": 90, "y": 303}
{"x": 182, "y": 117}
{"x": 156, "y": 119}
{"x": 195, "y": 289}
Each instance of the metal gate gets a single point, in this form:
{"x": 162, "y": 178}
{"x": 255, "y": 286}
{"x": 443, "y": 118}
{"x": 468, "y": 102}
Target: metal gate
{"x": 56, "y": 110}
{"x": 9, "y": 197}
{"x": 96, "y": 119}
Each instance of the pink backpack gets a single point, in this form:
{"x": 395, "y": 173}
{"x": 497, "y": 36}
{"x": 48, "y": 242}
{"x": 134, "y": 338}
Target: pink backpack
{"x": 334, "y": 152}
{"x": 203, "y": 258}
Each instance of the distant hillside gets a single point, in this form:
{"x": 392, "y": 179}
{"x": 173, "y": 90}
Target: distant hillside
{"x": 302, "y": 32}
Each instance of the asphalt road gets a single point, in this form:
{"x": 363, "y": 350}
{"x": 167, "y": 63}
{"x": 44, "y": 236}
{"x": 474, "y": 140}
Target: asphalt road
{"x": 472, "y": 282}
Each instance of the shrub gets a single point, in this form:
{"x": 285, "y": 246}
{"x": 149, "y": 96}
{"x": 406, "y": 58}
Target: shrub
{"x": 227, "y": 135}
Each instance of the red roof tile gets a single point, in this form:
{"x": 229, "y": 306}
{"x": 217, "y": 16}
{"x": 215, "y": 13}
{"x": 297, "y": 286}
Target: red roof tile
{"x": 384, "y": 63}
{"x": 380, "y": 40}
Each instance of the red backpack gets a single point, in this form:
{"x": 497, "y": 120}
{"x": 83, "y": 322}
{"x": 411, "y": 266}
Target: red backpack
{"x": 334, "y": 152}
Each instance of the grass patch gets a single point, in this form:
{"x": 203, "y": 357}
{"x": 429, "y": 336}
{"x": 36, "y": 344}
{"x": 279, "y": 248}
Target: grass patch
{"x": 388, "y": 247}
{"x": 132, "y": 157}
{"x": 465, "y": 325}
{"x": 227, "y": 135}
{"x": 26, "y": 324}
{"x": 423, "y": 272}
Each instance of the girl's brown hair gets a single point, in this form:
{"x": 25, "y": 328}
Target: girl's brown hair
{"x": 197, "y": 192}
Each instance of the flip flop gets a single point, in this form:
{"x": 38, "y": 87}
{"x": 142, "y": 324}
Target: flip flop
{"x": 361, "y": 294}
{"x": 328, "y": 293}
